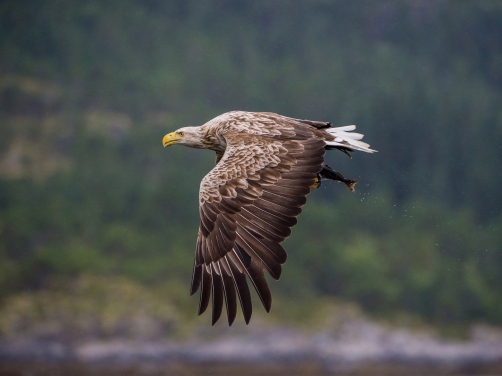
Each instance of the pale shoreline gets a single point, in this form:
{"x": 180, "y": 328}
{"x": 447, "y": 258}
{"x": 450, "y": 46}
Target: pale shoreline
{"x": 360, "y": 347}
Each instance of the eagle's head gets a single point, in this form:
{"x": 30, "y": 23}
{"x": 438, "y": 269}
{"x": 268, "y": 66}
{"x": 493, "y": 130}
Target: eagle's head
{"x": 188, "y": 136}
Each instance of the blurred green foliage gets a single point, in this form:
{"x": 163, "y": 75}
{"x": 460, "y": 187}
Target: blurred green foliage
{"x": 88, "y": 89}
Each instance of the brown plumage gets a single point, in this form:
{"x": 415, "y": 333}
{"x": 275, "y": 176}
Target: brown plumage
{"x": 265, "y": 167}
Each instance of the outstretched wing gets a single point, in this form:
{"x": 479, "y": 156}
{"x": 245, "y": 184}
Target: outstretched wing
{"x": 248, "y": 204}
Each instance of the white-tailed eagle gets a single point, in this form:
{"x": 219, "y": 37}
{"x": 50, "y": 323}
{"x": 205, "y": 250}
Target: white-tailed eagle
{"x": 266, "y": 165}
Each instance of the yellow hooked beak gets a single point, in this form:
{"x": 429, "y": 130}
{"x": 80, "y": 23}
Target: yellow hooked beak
{"x": 171, "y": 139}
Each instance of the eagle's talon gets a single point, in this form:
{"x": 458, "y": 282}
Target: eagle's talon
{"x": 317, "y": 183}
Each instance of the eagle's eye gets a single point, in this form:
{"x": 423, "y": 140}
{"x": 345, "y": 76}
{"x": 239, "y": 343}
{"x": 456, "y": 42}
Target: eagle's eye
{"x": 181, "y": 133}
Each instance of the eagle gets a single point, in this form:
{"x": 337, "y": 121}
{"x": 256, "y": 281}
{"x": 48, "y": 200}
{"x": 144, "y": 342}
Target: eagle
{"x": 266, "y": 165}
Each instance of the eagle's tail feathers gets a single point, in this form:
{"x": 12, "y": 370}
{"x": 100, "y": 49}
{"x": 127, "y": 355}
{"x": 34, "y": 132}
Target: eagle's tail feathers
{"x": 345, "y": 140}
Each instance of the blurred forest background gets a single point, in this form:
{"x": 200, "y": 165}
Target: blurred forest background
{"x": 87, "y": 192}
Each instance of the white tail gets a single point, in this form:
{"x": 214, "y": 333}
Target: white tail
{"x": 348, "y": 140}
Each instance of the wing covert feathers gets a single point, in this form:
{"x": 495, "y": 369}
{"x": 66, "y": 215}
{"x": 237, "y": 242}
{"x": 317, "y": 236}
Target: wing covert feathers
{"x": 250, "y": 200}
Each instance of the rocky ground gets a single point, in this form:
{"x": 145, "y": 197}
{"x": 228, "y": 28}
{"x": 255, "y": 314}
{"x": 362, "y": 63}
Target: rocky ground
{"x": 358, "y": 345}
{"x": 120, "y": 328}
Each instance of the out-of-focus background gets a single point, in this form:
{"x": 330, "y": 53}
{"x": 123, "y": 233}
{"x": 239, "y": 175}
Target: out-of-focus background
{"x": 98, "y": 221}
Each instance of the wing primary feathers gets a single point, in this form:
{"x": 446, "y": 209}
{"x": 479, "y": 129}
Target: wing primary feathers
{"x": 252, "y": 246}
{"x": 269, "y": 252}
{"x": 196, "y": 278}
{"x": 260, "y": 284}
{"x": 243, "y": 256}
{"x": 205, "y": 292}
{"x": 240, "y": 285}
{"x": 229, "y": 291}
{"x": 217, "y": 294}
{"x": 255, "y": 234}
{"x": 255, "y": 274}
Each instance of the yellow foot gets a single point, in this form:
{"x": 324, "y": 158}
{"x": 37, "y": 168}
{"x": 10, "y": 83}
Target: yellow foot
{"x": 317, "y": 183}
